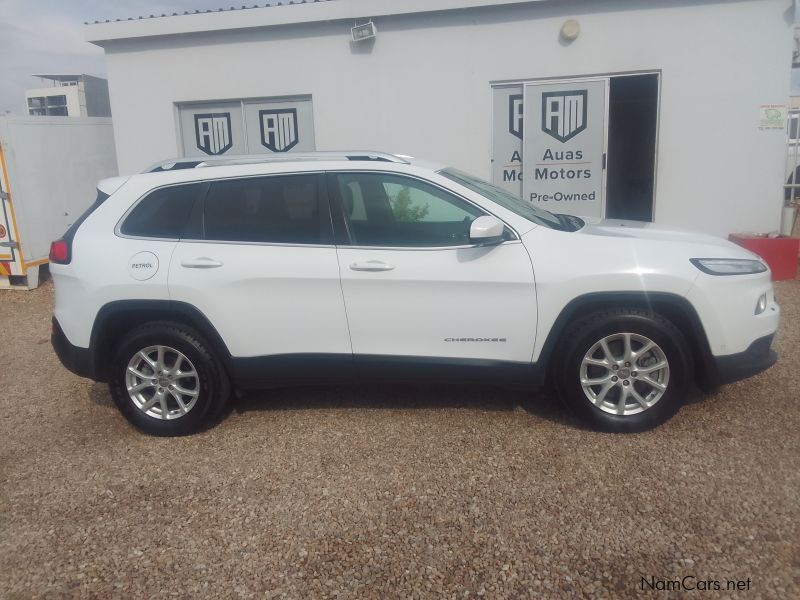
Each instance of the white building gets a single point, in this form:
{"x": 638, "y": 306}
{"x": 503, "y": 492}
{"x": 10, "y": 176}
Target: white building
{"x": 661, "y": 110}
{"x": 69, "y": 96}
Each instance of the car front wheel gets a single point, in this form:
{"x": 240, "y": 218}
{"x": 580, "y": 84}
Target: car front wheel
{"x": 623, "y": 370}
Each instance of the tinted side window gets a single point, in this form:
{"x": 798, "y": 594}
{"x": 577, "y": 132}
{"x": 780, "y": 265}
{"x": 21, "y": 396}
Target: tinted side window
{"x": 382, "y": 209}
{"x": 164, "y": 212}
{"x": 278, "y": 209}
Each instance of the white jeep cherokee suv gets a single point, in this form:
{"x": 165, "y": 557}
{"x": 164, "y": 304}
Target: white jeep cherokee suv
{"x": 184, "y": 282}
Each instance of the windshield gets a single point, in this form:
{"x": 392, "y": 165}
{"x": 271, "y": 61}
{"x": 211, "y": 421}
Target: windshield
{"x": 504, "y": 199}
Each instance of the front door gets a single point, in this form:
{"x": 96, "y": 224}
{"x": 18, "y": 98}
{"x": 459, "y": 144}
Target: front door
{"x": 414, "y": 285}
{"x": 262, "y": 268}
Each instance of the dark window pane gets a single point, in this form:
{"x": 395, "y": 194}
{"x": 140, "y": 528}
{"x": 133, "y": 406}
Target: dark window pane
{"x": 391, "y": 210}
{"x": 794, "y": 131}
{"x": 280, "y": 209}
{"x": 163, "y": 213}
{"x": 36, "y": 102}
{"x": 56, "y": 100}
{"x": 59, "y": 111}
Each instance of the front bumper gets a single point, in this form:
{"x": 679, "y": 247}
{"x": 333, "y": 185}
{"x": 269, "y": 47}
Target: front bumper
{"x": 78, "y": 360}
{"x": 757, "y": 358}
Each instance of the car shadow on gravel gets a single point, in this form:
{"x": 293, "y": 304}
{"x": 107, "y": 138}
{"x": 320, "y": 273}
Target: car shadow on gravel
{"x": 542, "y": 404}
{"x": 99, "y": 395}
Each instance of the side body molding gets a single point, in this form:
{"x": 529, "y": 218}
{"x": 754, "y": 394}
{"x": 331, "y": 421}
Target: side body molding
{"x": 290, "y": 369}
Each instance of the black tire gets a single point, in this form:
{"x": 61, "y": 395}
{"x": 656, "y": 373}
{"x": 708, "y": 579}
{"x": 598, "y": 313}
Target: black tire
{"x": 582, "y": 335}
{"x": 212, "y": 381}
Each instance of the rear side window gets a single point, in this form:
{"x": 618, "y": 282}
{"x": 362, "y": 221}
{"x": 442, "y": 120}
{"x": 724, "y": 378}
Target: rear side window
{"x": 164, "y": 212}
{"x": 276, "y": 209}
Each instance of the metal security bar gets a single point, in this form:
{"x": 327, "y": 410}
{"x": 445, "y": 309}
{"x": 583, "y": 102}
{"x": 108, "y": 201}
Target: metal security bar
{"x": 792, "y": 185}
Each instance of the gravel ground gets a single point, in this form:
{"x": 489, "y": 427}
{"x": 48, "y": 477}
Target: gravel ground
{"x": 386, "y": 492}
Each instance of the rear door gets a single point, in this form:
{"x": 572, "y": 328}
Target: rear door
{"x": 260, "y": 264}
{"x": 414, "y": 284}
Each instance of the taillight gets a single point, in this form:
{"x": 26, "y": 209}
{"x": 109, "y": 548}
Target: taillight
{"x": 59, "y": 252}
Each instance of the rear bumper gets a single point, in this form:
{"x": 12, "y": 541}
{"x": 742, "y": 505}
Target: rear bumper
{"x": 78, "y": 360}
{"x": 757, "y": 358}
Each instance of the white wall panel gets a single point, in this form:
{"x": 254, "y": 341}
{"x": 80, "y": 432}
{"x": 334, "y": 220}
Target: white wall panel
{"x": 423, "y": 88}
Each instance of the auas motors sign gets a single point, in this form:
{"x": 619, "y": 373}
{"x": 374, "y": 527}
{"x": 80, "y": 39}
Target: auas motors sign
{"x": 563, "y": 117}
{"x": 213, "y": 132}
{"x": 515, "y": 115}
{"x": 279, "y": 129}
{"x": 564, "y": 114}
{"x": 564, "y": 149}
{"x": 238, "y": 132}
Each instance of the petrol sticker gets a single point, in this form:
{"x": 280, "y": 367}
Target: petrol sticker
{"x": 143, "y": 266}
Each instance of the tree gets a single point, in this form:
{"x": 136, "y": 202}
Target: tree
{"x": 403, "y": 208}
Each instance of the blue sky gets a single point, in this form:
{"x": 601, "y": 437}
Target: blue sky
{"x": 46, "y": 36}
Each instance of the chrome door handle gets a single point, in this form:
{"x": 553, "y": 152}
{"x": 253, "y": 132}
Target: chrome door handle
{"x": 371, "y": 265}
{"x": 202, "y": 262}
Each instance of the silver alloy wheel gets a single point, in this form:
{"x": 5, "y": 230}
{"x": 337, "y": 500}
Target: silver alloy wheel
{"x": 162, "y": 382}
{"x": 624, "y": 373}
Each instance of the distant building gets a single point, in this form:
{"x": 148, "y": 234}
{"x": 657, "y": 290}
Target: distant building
{"x": 69, "y": 96}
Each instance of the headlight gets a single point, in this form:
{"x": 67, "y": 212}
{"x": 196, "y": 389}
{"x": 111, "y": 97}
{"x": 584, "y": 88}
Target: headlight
{"x": 729, "y": 266}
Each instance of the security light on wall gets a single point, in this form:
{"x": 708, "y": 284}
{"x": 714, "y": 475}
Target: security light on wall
{"x": 367, "y": 31}
{"x": 570, "y": 30}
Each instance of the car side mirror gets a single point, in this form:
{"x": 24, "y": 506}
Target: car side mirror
{"x": 486, "y": 230}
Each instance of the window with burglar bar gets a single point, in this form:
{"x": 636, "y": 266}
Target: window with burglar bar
{"x": 792, "y": 184}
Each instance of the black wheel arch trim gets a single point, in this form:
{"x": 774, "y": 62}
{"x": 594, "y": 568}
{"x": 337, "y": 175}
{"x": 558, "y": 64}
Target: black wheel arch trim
{"x": 112, "y": 318}
{"x": 672, "y": 306}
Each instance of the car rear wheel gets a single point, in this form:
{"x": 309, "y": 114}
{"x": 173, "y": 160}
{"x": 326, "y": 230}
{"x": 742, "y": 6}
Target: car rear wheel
{"x": 167, "y": 381}
{"x": 623, "y": 370}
